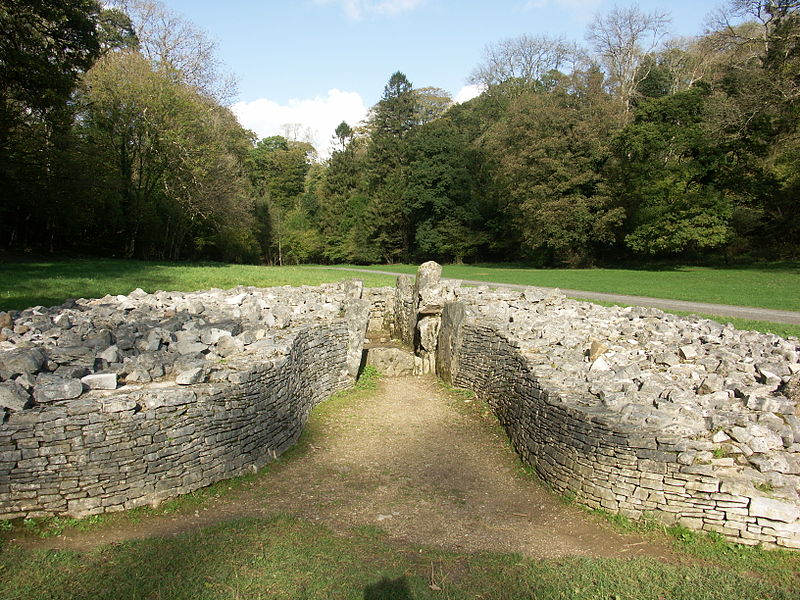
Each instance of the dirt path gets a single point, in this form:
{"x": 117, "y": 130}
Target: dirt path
{"x": 420, "y": 463}
{"x": 790, "y": 317}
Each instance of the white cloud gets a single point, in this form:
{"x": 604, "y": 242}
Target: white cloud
{"x": 359, "y": 9}
{"x": 468, "y": 92}
{"x": 320, "y": 115}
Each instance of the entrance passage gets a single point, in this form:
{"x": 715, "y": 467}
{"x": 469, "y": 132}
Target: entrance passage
{"x": 419, "y": 462}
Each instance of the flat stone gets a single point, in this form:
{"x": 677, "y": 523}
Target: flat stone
{"x": 775, "y": 510}
{"x": 392, "y": 362}
{"x": 100, "y": 381}
{"x": 51, "y": 390}
{"x": 191, "y": 376}
{"x": 596, "y": 348}
{"x": 667, "y": 359}
{"x": 26, "y": 360}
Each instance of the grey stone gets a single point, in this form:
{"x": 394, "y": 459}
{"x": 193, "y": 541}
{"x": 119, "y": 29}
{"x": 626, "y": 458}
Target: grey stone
{"x": 775, "y": 510}
{"x": 100, "y": 381}
{"x": 14, "y": 396}
{"x": 667, "y": 359}
{"x": 191, "y": 376}
{"x": 26, "y": 360}
{"x": 428, "y": 332}
{"x": 55, "y": 388}
{"x": 227, "y": 345}
{"x": 392, "y": 362}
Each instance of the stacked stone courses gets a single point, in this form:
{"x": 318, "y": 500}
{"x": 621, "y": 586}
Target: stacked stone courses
{"x": 638, "y": 412}
{"x": 127, "y": 400}
{"x": 226, "y": 389}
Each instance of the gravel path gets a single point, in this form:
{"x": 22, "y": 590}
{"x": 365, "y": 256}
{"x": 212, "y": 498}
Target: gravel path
{"x": 722, "y": 310}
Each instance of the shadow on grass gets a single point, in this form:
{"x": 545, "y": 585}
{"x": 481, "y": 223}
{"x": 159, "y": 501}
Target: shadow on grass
{"x": 52, "y": 282}
{"x": 388, "y": 589}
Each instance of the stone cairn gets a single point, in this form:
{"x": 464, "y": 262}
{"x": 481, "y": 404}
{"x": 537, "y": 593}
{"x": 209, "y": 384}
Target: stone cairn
{"x": 122, "y": 401}
{"x": 629, "y": 409}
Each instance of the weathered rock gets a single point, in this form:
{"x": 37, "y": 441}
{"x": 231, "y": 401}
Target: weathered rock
{"x": 428, "y": 332}
{"x": 191, "y": 376}
{"x": 13, "y": 396}
{"x": 792, "y": 389}
{"x": 26, "y": 360}
{"x": 100, "y": 381}
{"x": 52, "y": 389}
{"x": 6, "y": 322}
{"x": 775, "y": 510}
{"x": 392, "y": 362}
{"x": 596, "y": 348}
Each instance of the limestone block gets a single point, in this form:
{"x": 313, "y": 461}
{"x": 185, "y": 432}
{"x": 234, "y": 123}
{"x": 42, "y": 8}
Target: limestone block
{"x": 775, "y": 510}
{"x": 54, "y": 388}
{"x": 13, "y": 396}
{"x": 25, "y": 360}
{"x": 191, "y": 376}
{"x": 100, "y": 381}
{"x": 429, "y": 332}
{"x": 392, "y": 362}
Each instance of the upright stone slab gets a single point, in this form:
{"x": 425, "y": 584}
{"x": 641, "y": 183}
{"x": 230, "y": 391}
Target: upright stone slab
{"x": 428, "y": 306}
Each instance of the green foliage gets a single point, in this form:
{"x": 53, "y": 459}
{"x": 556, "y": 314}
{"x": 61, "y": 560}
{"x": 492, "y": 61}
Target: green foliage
{"x": 549, "y": 151}
{"x": 669, "y": 178}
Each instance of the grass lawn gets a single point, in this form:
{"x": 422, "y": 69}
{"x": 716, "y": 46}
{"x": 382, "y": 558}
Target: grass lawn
{"x": 24, "y": 284}
{"x": 775, "y": 285}
{"x": 287, "y": 558}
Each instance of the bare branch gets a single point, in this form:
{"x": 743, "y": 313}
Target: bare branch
{"x": 526, "y": 58}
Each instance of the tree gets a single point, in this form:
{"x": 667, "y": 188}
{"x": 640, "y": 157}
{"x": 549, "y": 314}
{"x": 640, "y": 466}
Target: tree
{"x": 525, "y": 59}
{"x": 44, "y": 48}
{"x": 392, "y": 120}
{"x": 439, "y": 194}
{"x": 672, "y": 178}
{"x": 549, "y": 154}
{"x": 621, "y": 39}
{"x": 175, "y": 157}
{"x": 178, "y": 47}
{"x": 278, "y": 169}
{"x": 432, "y": 103}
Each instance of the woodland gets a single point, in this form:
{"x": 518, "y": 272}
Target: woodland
{"x": 628, "y": 145}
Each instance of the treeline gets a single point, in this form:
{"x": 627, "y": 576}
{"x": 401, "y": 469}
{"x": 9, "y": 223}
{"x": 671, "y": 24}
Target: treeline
{"x": 638, "y": 146}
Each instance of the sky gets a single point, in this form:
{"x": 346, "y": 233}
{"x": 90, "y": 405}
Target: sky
{"x": 319, "y": 62}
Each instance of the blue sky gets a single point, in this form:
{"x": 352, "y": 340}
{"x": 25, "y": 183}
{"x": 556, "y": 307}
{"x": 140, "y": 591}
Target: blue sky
{"x": 317, "y": 62}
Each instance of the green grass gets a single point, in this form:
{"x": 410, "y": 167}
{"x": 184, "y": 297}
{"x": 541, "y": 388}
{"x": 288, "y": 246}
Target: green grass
{"x": 775, "y": 285}
{"x": 776, "y": 565}
{"x": 289, "y": 558}
{"x": 24, "y": 284}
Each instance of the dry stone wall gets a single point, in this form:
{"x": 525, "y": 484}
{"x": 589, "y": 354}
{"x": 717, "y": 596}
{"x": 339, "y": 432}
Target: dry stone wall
{"x": 113, "y": 403}
{"x": 636, "y": 411}
{"x": 195, "y": 388}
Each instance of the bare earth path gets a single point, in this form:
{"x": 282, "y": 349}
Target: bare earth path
{"x": 420, "y": 463}
{"x": 790, "y": 317}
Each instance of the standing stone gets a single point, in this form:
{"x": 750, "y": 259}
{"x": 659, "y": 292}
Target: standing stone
{"x": 356, "y": 315}
{"x": 405, "y": 311}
